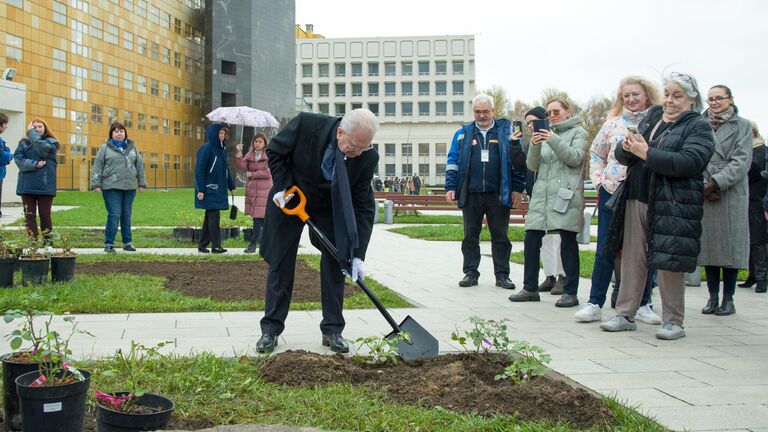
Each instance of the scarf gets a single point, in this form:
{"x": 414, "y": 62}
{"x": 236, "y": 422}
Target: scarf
{"x": 717, "y": 120}
{"x": 637, "y": 117}
{"x": 119, "y": 144}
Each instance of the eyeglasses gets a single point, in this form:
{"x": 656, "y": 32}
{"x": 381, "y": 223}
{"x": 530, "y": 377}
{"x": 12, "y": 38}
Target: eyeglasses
{"x": 352, "y": 147}
{"x": 554, "y": 112}
{"x": 717, "y": 99}
{"x": 486, "y": 112}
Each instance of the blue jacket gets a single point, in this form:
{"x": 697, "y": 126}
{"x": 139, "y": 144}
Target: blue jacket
{"x": 33, "y": 180}
{"x": 212, "y": 176}
{"x": 511, "y": 162}
{"x": 5, "y": 158}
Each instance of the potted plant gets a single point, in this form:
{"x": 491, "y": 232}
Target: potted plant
{"x": 63, "y": 261}
{"x": 134, "y": 409}
{"x": 33, "y": 260}
{"x": 185, "y": 233}
{"x": 52, "y": 397}
{"x": 7, "y": 261}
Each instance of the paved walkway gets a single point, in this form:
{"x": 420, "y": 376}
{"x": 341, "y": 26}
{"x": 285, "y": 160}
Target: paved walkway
{"x": 714, "y": 379}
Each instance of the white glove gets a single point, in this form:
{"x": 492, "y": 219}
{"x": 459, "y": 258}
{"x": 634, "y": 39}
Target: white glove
{"x": 280, "y": 199}
{"x": 357, "y": 269}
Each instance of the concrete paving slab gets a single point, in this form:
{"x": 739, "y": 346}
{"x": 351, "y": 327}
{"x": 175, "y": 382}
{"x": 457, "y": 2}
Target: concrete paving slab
{"x": 723, "y": 395}
{"x": 645, "y": 399}
{"x": 636, "y": 380}
{"x": 702, "y": 418}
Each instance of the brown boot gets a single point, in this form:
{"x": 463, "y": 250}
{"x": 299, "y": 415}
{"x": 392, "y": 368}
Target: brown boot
{"x": 558, "y": 288}
{"x": 547, "y": 285}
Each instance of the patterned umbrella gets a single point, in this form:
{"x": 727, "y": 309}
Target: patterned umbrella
{"x": 243, "y": 115}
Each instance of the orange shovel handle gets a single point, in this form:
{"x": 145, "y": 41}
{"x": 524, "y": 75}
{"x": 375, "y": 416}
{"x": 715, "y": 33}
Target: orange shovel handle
{"x": 299, "y": 209}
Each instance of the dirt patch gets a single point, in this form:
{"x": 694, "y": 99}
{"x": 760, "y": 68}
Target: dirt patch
{"x": 223, "y": 281}
{"x": 458, "y": 382}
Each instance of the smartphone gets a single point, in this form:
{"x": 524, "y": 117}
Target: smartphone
{"x": 517, "y": 126}
{"x": 632, "y": 130}
{"x": 540, "y": 124}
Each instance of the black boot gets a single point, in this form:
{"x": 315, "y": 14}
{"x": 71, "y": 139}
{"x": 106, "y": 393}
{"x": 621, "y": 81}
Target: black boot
{"x": 727, "y": 308}
{"x": 614, "y": 296}
{"x": 251, "y": 248}
{"x": 761, "y": 286}
{"x": 748, "y": 282}
{"x": 711, "y": 306}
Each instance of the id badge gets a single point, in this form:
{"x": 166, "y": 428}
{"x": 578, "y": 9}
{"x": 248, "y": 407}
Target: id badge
{"x": 484, "y": 156}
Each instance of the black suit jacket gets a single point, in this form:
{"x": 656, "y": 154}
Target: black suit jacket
{"x": 295, "y": 156}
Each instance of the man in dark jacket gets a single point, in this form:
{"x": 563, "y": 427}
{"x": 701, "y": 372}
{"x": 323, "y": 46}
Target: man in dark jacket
{"x": 5, "y": 153}
{"x": 331, "y": 160}
{"x": 212, "y": 179}
{"x": 485, "y": 173}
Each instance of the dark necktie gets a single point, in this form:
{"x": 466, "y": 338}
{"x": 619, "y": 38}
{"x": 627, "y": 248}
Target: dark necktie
{"x": 344, "y": 223}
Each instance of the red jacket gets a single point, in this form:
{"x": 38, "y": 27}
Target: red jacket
{"x": 259, "y": 183}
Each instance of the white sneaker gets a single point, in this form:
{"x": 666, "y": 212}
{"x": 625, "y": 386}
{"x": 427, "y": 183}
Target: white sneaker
{"x": 590, "y": 312}
{"x": 618, "y": 323}
{"x": 670, "y": 332}
{"x": 647, "y": 315}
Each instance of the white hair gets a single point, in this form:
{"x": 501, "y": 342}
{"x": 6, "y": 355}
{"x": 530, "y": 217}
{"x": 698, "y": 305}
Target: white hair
{"x": 482, "y": 98}
{"x": 360, "y": 119}
{"x": 689, "y": 85}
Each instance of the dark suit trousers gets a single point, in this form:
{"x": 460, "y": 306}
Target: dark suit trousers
{"x": 211, "y": 231}
{"x": 477, "y": 205}
{"x": 280, "y": 285}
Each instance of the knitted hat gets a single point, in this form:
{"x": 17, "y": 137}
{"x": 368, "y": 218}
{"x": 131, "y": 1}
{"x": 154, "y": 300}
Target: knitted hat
{"x": 538, "y": 112}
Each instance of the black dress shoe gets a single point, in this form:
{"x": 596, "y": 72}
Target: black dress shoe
{"x": 129, "y": 248}
{"x": 567, "y": 300}
{"x": 505, "y": 282}
{"x": 747, "y": 283}
{"x": 266, "y": 343}
{"x": 203, "y": 249}
{"x": 218, "y": 250}
{"x": 468, "y": 280}
{"x": 761, "y": 287}
{"x": 336, "y": 342}
{"x": 109, "y": 249}
{"x": 525, "y": 296}
{"x": 711, "y": 306}
{"x": 547, "y": 285}
{"x": 727, "y": 308}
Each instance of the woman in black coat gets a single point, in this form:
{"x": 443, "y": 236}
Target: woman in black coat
{"x": 664, "y": 203}
{"x": 758, "y": 227}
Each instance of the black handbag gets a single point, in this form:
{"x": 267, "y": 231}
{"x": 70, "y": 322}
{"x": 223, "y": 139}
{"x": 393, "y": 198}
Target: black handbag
{"x": 233, "y": 209}
{"x": 618, "y": 197}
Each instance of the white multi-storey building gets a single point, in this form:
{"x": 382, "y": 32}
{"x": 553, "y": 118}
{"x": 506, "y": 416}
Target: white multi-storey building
{"x": 420, "y": 87}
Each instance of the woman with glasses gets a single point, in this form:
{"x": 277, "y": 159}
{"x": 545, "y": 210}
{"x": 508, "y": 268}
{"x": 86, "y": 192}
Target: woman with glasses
{"x": 634, "y": 97}
{"x": 557, "y": 204}
{"x": 725, "y": 235}
{"x": 664, "y": 199}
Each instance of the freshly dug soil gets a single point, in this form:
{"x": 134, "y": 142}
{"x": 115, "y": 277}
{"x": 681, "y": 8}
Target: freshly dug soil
{"x": 458, "y": 382}
{"x": 223, "y": 281}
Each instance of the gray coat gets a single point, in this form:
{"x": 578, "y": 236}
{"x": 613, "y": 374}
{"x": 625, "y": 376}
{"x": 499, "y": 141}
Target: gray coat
{"x": 116, "y": 169}
{"x": 725, "y": 231}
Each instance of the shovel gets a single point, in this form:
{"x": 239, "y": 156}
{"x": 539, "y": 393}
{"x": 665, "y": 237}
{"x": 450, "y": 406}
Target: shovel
{"x": 419, "y": 343}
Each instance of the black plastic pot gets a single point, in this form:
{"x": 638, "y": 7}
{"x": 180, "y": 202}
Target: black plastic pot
{"x": 56, "y": 408}
{"x": 63, "y": 268}
{"x": 247, "y": 234}
{"x": 234, "y": 232}
{"x": 11, "y": 371}
{"x": 34, "y": 271}
{"x": 108, "y": 420}
{"x": 7, "y": 266}
{"x": 184, "y": 234}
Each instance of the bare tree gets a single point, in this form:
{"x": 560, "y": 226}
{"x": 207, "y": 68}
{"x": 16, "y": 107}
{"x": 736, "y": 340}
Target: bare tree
{"x": 552, "y": 93}
{"x": 500, "y": 100}
{"x": 594, "y": 114}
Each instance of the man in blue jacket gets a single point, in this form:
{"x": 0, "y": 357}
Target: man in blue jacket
{"x": 5, "y": 153}
{"x": 485, "y": 173}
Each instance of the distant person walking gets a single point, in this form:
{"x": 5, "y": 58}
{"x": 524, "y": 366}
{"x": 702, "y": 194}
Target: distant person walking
{"x": 118, "y": 171}
{"x": 36, "y": 158}
{"x": 256, "y": 166}
{"x": 5, "y": 154}
{"x": 212, "y": 179}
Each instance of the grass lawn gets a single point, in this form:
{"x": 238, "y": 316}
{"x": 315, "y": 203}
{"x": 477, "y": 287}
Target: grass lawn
{"x": 142, "y": 238}
{"x": 228, "y": 391}
{"x": 124, "y": 293}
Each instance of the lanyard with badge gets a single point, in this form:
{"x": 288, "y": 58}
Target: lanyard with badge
{"x": 485, "y": 154}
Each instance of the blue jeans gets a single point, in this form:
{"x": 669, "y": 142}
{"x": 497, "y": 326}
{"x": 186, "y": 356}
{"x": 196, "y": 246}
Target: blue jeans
{"x": 603, "y": 268}
{"x": 119, "y": 205}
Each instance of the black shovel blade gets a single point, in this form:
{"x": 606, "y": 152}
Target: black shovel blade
{"x": 421, "y": 343}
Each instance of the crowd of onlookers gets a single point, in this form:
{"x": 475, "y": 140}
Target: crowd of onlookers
{"x": 407, "y": 185}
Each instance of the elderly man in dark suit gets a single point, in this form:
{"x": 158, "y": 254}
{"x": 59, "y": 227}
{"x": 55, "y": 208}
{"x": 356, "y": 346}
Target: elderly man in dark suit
{"x": 331, "y": 160}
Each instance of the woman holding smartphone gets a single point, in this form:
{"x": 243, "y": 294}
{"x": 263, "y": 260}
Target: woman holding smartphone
{"x": 557, "y": 155}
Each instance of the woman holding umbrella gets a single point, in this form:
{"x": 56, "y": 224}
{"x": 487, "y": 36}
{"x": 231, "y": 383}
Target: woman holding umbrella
{"x": 212, "y": 179}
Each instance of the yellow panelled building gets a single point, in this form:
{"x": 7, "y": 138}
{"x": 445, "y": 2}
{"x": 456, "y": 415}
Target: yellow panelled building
{"x": 87, "y": 64}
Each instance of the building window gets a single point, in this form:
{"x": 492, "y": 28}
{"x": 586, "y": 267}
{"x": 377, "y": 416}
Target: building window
{"x": 357, "y": 89}
{"x": 59, "y": 13}
{"x": 357, "y": 105}
{"x": 357, "y": 69}
{"x": 458, "y": 108}
{"x": 128, "y": 80}
{"x": 423, "y": 68}
{"x": 177, "y": 26}
{"x": 176, "y": 94}
{"x": 341, "y": 109}
{"x": 187, "y": 64}
{"x": 111, "y": 116}
{"x": 406, "y": 109}
{"x": 323, "y": 108}
{"x": 141, "y": 46}
{"x": 228, "y": 99}
{"x": 187, "y": 130}
{"x": 440, "y": 149}
{"x": 423, "y": 88}
{"x": 127, "y": 119}
{"x": 154, "y": 87}
{"x": 389, "y": 69}
{"x": 406, "y": 68}
{"x": 166, "y": 126}
{"x": 13, "y": 46}
{"x": 141, "y": 84}
{"x": 111, "y": 35}
{"x": 96, "y": 111}
{"x": 177, "y": 60}
{"x": 96, "y": 70}
{"x": 389, "y": 149}
{"x": 79, "y": 4}
{"x": 154, "y": 51}
{"x": 59, "y": 105}
{"x": 373, "y": 69}
{"x": 176, "y": 127}
{"x": 406, "y": 169}
{"x": 128, "y": 40}
{"x": 17, "y": 3}
{"x": 77, "y": 44}
{"x": 389, "y": 109}
{"x": 176, "y": 162}
{"x": 374, "y": 107}
{"x": 322, "y": 70}
{"x": 389, "y": 89}
{"x": 389, "y": 170}
{"x": 59, "y": 60}
{"x": 441, "y": 108}
{"x": 441, "y": 88}
{"x": 166, "y": 56}
{"x": 440, "y": 169}
{"x": 153, "y": 160}
{"x": 441, "y": 68}
{"x": 322, "y": 90}
{"x": 458, "y": 67}
{"x": 228, "y": 67}
{"x": 458, "y": 88}
{"x": 373, "y": 89}
{"x": 407, "y": 89}
{"x": 141, "y": 121}
{"x": 97, "y": 28}
{"x": 340, "y": 89}
{"x": 423, "y": 149}
{"x": 166, "y": 88}
{"x": 423, "y": 108}
{"x": 341, "y": 69}
{"x": 306, "y": 90}
{"x": 80, "y": 95}
{"x": 406, "y": 150}
{"x": 141, "y": 8}
{"x": 154, "y": 14}
{"x": 188, "y": 96}
{"x": 112, "y": 75}
{"x": 306, "y": 70}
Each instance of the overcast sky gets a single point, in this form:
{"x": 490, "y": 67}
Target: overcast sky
{"x": 582, "y": 47}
